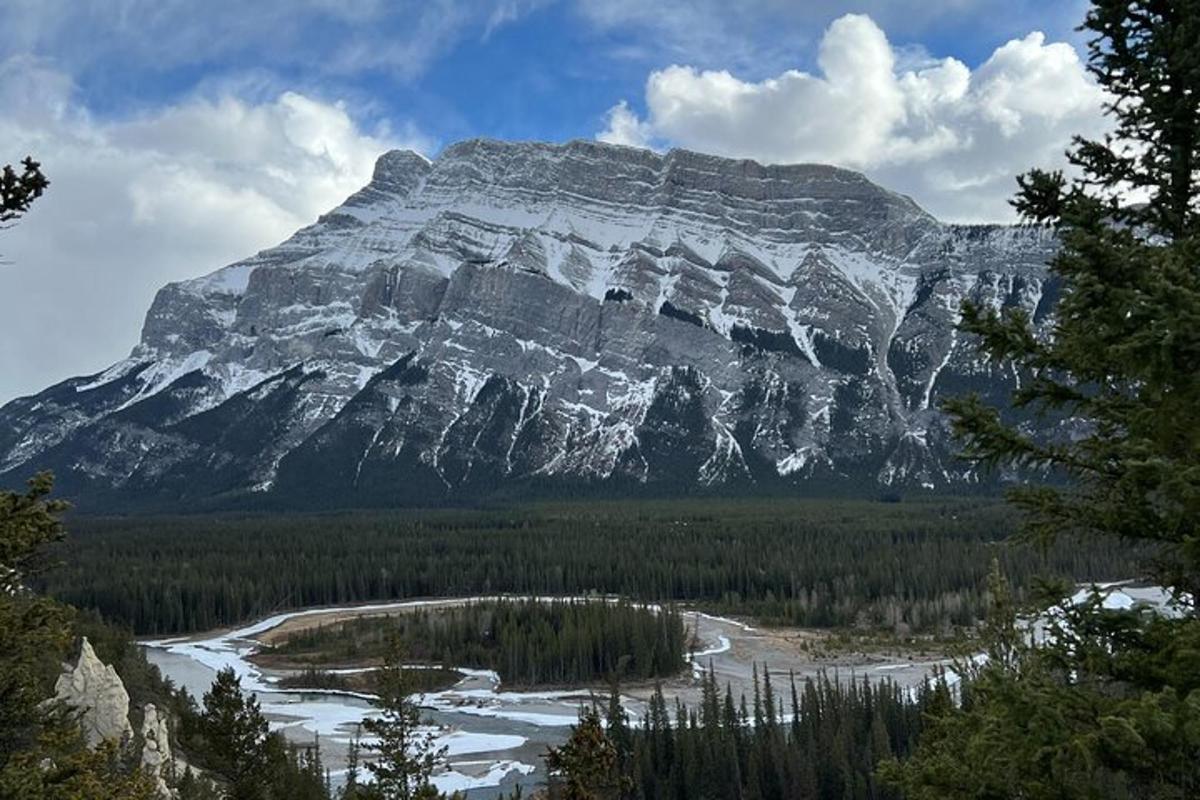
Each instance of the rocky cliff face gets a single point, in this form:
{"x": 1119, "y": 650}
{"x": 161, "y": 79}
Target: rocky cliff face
{"x": 95, "y": 691}
{"x": 518, "y": 315}
{"x": 97, "y": 696}
{"x": 156, "y": 761}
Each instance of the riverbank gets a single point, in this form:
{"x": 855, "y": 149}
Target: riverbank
{"x": 495, "y": 736}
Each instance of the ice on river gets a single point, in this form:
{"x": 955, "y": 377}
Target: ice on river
{"x": 475, "y": 719}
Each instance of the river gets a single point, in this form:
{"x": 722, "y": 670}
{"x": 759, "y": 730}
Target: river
{"x": 495, "y": 739}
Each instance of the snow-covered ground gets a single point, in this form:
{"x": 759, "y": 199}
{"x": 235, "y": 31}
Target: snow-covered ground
{"x": 495, "y": 738}
{"x": 478, "y": 756}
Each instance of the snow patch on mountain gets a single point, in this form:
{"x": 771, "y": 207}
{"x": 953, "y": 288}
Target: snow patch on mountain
{"x": 574, "y": 312}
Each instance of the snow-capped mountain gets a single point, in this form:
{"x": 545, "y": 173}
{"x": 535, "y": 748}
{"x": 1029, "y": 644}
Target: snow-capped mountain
{"x": 514, "y": 315}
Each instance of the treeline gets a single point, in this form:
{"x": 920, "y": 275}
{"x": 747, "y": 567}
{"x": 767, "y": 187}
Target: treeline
{"x": 904, "y": 566}
{"x": 528, "y": 642}
{"x": 817, "y": 741}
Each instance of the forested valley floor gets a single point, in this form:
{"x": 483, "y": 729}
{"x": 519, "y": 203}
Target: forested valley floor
{"x": 875, "y": 568}
{"x": 527, "y": 642}
{"x": 903, "y": 567}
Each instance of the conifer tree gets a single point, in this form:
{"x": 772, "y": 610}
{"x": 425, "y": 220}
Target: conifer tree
{"x": 405, "y": 753}
{"x": 1107, "y": 703}
{"x": 1123, "y": 357}
{"x": 616, "y": 727}
{"x": 34, "y": 631}
{"x": 42, "y": 752}
{"x": 586, "y": 766}
{"x": 18, "y": 190}
{"x": 235, "y": 735}
{"x": 350, "y": 790}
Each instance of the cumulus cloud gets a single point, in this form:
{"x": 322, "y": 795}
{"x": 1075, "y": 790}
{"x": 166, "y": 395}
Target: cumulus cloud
{"x": 757, "y": 38}
{"x": 135, "y": 203}
{"x": 624, "y": 127}
{"x": 950, "y": 137}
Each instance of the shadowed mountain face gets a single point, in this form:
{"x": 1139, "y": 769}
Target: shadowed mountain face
{"x": 518, "y": 314}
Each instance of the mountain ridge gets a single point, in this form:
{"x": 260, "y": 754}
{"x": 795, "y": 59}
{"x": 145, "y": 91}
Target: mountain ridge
{"x": 578, "y": 313}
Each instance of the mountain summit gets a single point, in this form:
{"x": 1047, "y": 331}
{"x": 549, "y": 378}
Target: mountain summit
{"x": 516, "y": 316}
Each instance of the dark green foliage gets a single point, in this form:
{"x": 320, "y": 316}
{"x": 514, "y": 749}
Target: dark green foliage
{"x": 42, "y": 754}
{"x": 235, "y": 735}
{"x": 1106, "y": 708}
{"x": 404, "y": 755}
{"x": 311, "y": 678}
{"x": 423, "y": 680}
{"x": 230, "y": 738}
{"x": 34, "y": 631}
{"x": 1124, "y": 357}
{"x": 28, "y": 522}
{"x": 18, "y": 190}
{"x": 351, "y": 788}
{"x": 191, "y": 787}
{"x": 813, "y": 741}
{"x": 528, "y": 642}
{"x": 918, "y": 565}
{"x": 115, "y": 645}
{"x": 586, "y": 766}
{"x": 62, "y": 768}
{"x": 1109, "y": 704}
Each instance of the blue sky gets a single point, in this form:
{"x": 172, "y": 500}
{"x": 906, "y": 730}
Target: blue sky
{"x": 529, "y": 70}
{"x": 181, "y": 136}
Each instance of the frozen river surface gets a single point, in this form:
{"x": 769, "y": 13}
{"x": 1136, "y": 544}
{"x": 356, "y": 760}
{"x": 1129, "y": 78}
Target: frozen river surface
{"x": 495, "y": 739}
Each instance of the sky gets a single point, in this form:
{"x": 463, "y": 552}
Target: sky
{"x": 181, "y": 136}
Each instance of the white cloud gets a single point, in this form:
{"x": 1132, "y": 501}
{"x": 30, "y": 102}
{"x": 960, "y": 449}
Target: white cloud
{"x": 952, "y": 138}
{"x": 135, "y": 203}
{"x": 624, "y": 127}
{"x": 505, "y": 12}
{"x": 757, "y": 38}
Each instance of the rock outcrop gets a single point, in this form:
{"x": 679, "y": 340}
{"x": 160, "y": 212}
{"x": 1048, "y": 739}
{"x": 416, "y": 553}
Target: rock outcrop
{"x": 97, "y": 695}
{"x": 529, "y": 315}
{"x": 156, "y": 758}
{"x": 95, "y": 691}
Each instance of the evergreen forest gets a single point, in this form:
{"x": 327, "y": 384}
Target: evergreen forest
{"x": 527, "y": 642}
{"x": 903, "y": 567}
